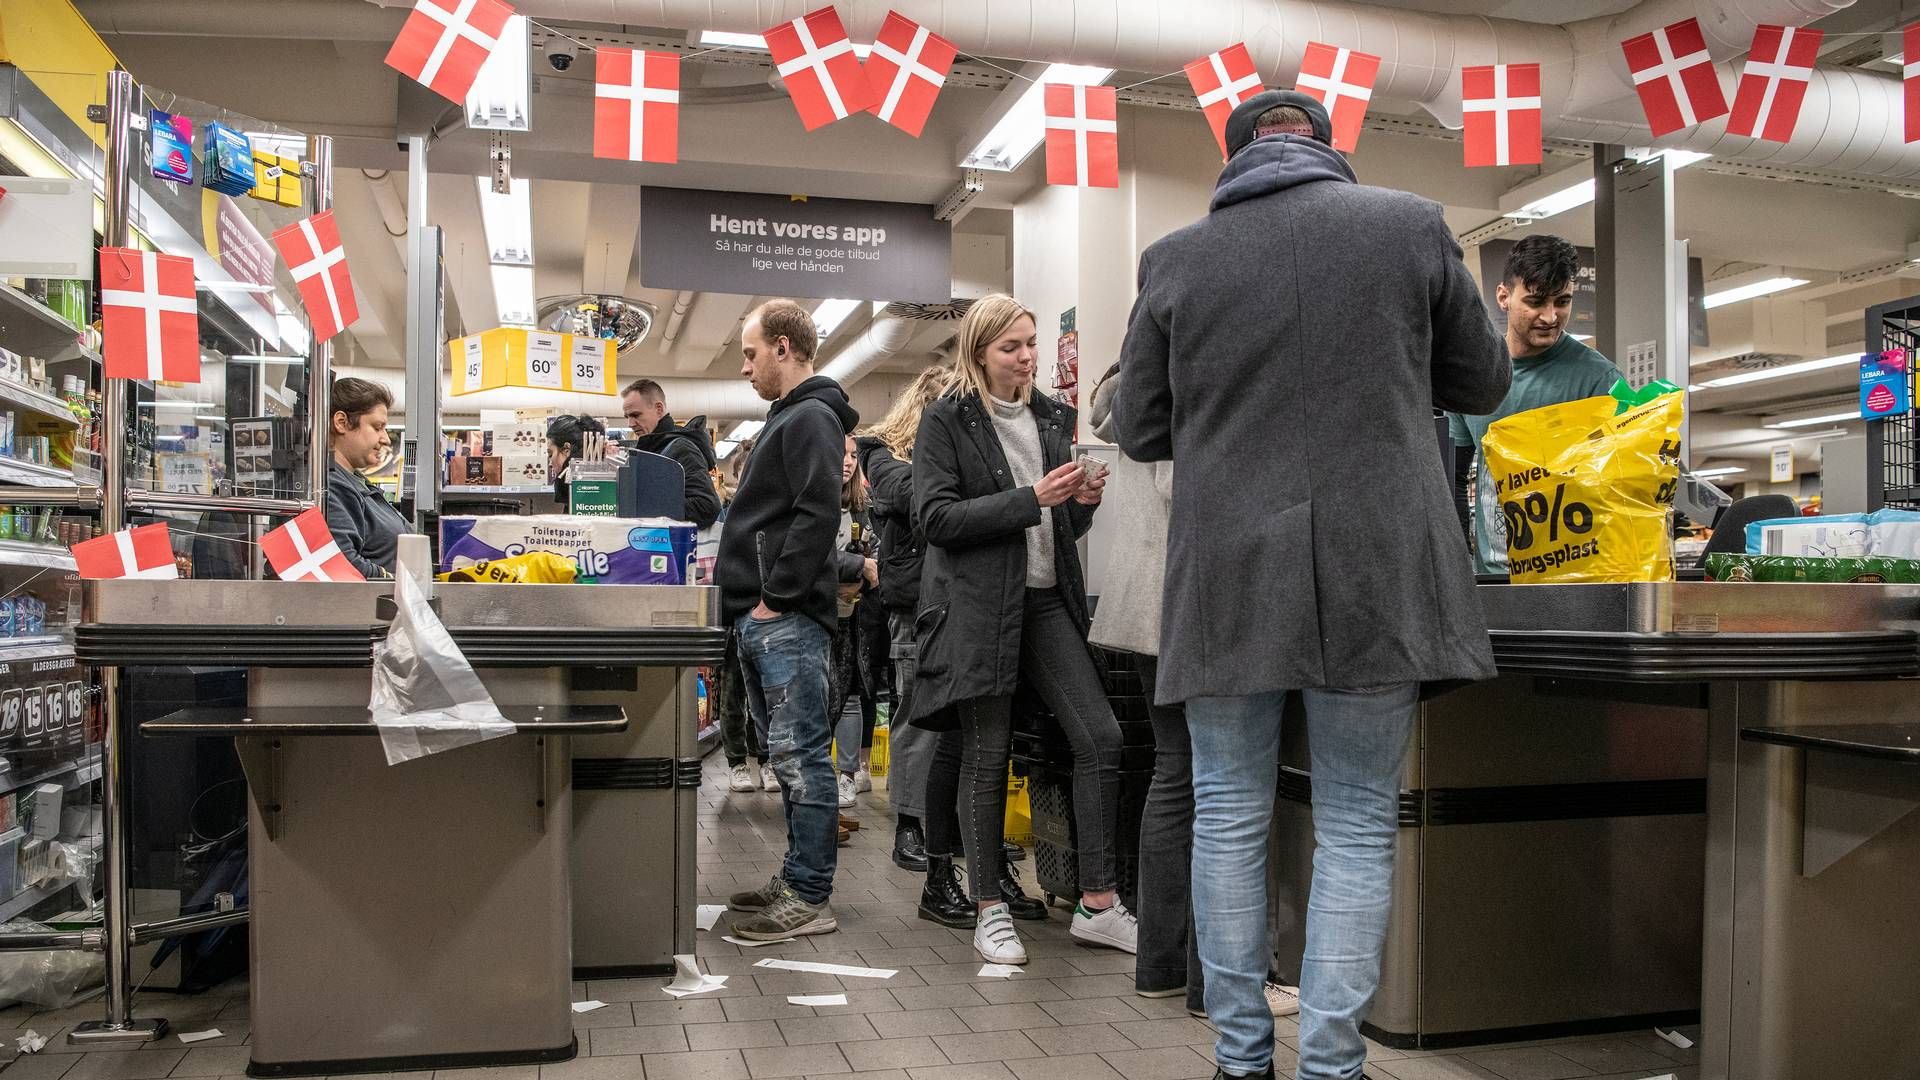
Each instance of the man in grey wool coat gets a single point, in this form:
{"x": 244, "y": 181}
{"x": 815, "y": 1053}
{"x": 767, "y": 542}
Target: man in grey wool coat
{"x": 1304, "y": 332}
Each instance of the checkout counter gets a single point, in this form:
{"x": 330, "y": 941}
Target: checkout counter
{"x": 1677, "y": 801}
{"x": 426, "y": 915}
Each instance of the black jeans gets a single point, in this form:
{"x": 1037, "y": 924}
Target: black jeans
{"x": 1055, "y": 661}
{"x": 1168, "y": 958}
{"x": 729, "y": 695}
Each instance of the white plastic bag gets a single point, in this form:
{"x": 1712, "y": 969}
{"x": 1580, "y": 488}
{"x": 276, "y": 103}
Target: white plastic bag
{"x": 426, "y": 698}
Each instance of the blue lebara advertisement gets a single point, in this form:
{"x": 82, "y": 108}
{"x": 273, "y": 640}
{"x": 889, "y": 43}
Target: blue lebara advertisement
{"x": 1886, "y": 384}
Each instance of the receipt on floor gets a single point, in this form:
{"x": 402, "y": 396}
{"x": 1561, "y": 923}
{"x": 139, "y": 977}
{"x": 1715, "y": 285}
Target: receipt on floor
{"x": 816, "y": 999}
{"x": 689, "y": 979}
{"x": 200, "y": 1036}
{"x": 997, "y": 971}
{"x": 707, "y": 914}
{"x": 829, "y": 969}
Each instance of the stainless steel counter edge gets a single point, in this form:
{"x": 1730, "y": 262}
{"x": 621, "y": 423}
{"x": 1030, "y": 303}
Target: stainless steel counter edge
{"x": 279, "y": 603}
{"x": 1701, "y": 607}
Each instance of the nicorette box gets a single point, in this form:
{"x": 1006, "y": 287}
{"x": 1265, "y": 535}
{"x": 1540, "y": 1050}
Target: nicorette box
{"x": 606, "y": 551}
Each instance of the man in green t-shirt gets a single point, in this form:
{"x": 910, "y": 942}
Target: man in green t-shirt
{"x": 1550, "y": 366}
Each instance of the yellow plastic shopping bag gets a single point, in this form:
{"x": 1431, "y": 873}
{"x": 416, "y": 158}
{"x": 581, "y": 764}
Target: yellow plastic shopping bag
{"x": 1018, "y": 825}
{"x": 1586, "y": 489}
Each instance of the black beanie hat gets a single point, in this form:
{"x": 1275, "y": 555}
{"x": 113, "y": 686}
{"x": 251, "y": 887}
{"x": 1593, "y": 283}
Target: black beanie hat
{"x": 1240, "y": 131}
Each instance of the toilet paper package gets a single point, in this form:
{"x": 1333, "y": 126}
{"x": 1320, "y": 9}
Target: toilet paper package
{"x": 607, "y": 551}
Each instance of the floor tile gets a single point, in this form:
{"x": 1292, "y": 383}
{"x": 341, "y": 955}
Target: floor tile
{"x": 771, "y": 1061}
{"x": 903, "y": 1053}
{"x": 593, "y": 1068}
{"x": 734, "y": 1036}
{"x": 1151, "y": 1034}
{"x": 224, "y": 1061}
{"x": 827, "y": 1029}
{"x": 1167, "y": 1063}
{"x": 1528, "y": 1063}
{"x": 988, "y": 1046}
{"x": 638, "y": 1040}
{"x": 1090, "y": 1011}
{"x": 707, "y": 1065}
{"x": 979, "y": 1070}
{"x": 1614, "y": 1055}
{"x": 1431, "y": 1068}
{"x": 903, "y": 1025}
{"x": 1075, "y": 1067}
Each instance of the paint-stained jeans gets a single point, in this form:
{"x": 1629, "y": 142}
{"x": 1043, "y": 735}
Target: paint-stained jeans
{"x": 784, "y": 661}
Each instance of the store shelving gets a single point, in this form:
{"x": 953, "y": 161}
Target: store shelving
{"x": 72, "y": 774}
{"x": 35, "y": 556}
{"x": 33, "y": 327}
{"x": 28, "y": 474}
{"x": 486, "y": 489}
{"x": 33, "y": 898}
{"x": 26, "y": 397}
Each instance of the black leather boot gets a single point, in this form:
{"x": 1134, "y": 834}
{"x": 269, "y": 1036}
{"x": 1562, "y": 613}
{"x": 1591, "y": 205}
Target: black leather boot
{"x": 1019, "y": 904}
{"x": 909, "y": 846}
{"x": 943, "y": 900}
{"x": 1011, "y": 851}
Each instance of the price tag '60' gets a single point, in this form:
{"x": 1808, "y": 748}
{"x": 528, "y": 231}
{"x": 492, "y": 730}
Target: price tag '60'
{"x": 543, "y": 361}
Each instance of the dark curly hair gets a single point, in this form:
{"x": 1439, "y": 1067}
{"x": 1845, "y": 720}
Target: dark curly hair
{"x": 571, "y": 432}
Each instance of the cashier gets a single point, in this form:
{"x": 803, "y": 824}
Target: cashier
{"x": 1550, "y": 366}
{"x": 363, "y": 522}
{"x": 567, "y": 438}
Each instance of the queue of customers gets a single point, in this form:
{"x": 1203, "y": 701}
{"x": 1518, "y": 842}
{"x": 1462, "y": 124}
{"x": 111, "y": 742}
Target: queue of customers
{"x": 975, "y": 504}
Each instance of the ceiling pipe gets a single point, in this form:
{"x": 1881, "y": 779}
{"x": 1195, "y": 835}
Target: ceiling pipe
{"x": 1850, "y": 119}
{"x": 670, "y": 333}
{"x": 880, "y": 341}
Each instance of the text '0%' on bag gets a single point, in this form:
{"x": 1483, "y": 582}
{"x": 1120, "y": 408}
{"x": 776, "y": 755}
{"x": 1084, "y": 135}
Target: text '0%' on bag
{"x": 1586, "y": 490}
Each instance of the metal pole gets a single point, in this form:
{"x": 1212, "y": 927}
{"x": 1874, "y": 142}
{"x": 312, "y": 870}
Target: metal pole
{"x": 423, "y": 338}
{"x": 320, "y": 368}
{"x": 122, "y": 152}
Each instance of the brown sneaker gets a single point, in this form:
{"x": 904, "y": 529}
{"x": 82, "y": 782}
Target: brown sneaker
{"x": 849, "y": 824}
{"x": 845, "y": 835}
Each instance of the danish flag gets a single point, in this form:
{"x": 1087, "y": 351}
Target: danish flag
{"x": 1674, "y": 75}
{"x": 1774, "y": 83}
{"x": 907, "y": 69}
{"x": 1501, "y": 104}
{"x": 1083, "y": 135}
{"x": 822, "y": 73}
{"x": 444, "y": 43}
{"x": 148, "y": 316}
{"x": 318, "y": 263}
{"x": 1222, "y": 81}
{"x": 636, "y": 105}
{"x": 304, "y": 550}
{"x": 1910, "y": 76}
{"x": 1343, "y": 81}
{"x": 142, "y": 552}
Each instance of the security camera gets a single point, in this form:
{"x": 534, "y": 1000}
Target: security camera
{"x": 560, "y": 53}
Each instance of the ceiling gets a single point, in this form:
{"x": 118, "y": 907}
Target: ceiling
{"x": 586, "y": 211}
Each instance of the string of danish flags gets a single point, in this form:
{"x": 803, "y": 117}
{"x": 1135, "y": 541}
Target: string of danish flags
{"x": 147, "y": 299}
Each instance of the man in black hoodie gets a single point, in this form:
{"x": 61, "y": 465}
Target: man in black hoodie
{"x": 645, "y": 404}
{"x": 777, "y": 588}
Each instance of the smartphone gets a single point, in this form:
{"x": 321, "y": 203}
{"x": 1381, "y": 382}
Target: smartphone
{"x": 1095, "y": 468}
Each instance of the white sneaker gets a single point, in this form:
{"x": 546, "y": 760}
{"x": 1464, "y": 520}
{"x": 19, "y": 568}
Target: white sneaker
{"x": 1283, "y": 1000}
{"x": 1115, "y": 927}
{"x": 848, "y": 796}
{"x": 863, "y": 780}
{"x": 768, "y": 781}
{"x": 995, "y": 939}
{"x": 743, "y": 778}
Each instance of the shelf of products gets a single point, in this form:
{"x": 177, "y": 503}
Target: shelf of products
{"x": 37, "y": 326}
{"x": 38, "y": 557}
{"x": 33, "y": 898}
{"x": 454, "y": 490}
{"x": 28, "y": 474}
{"x": 26, "y": 397}
{"x": 71, "y": 775}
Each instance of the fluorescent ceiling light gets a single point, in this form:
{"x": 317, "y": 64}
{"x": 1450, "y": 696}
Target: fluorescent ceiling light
{"x": 508, "y": 220}
{"x": 175, "y": 404}
{"x": 1559, "y": 202}
{"x": 1814, "y": 421}
{"x": 232, "y": 286}
{"x": 266, "y": 359}
{"x": 212, "y": 419}
{"x": 723, "y": 38}
{"x": 1752, "y": 291}
{"x": 831, "y": 313}
{"x": 1024, "y": 127}
{"x": 1780, "y": 372}
{"x": 513, "y": 295}
{"x": 745, "y": 429}
{"x": 502, "y": 94}
{"x": 720, "y": 452}
{"x": 1712, "y": 474}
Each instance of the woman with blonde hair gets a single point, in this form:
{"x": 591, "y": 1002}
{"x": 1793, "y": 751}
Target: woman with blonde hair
{"x": 1003, "y": 600}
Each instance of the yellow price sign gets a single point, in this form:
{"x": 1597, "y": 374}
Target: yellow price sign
{"x": 537, "y": 359}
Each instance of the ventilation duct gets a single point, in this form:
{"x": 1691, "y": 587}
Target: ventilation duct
{"x": 891, "y": 331}
{"x": 1850, "y": 122}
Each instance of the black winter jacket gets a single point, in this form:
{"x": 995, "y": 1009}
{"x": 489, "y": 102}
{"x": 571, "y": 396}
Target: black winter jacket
{"x": 363, "y": 522}
{"x": 902, "y": 545}
{"x": 778, "y": 545}
{"x": 974, "y": 583}
{"x": 689, "y": 447}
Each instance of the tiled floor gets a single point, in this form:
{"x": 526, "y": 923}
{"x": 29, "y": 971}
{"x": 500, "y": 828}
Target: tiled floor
{"x": 1071, "y": 1015}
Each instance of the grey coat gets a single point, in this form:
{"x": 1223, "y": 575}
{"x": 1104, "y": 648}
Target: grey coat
{"x": 1303, "y": 333}
{"x": 1140, "y": 495}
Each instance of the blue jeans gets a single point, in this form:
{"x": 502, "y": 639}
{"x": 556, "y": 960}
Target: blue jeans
{"x": 784, "y": 661}
{"x": 1358, "y": 742}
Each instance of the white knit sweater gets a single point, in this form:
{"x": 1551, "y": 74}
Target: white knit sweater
{"x": 1020, "y": 439}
